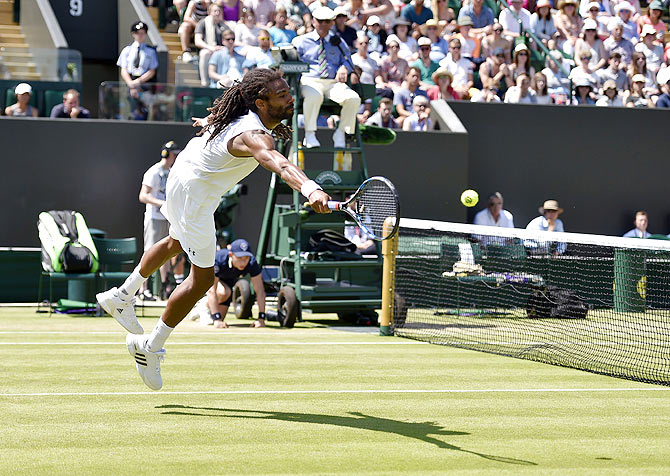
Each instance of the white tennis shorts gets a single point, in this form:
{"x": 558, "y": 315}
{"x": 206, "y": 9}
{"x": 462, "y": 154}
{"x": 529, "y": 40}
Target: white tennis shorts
{"x": 190, "y": 210}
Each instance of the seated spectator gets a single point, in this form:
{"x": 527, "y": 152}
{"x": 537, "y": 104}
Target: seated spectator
{"x": 614, "y": 72}
{"x": 617, "y": 43}
{"x": 404, "y": 97}
{"x": 494, "y": 42}
{"x": 260, "y": 56}
{"x": 521, "y": 93}
{"x": 438, "y": 45}
{"x": 460, "y": 68}
{"x": 604, "y": 8}
{"x": 584, "y": 95}
{"x": 494, "y": 214}
{"x": 443, "y": 13}
{"x": 419, "y": 120}
{"x": 625, "y": 11}
{"x": 70, "y": 108}
{"x": 208, "y": 38}
{"x": 416, "y": 13}
{"x": 264, "y": 10}
{"x": 663, "y": 79}
{"x": 231, "y": 11}
{"x": 393, "y": 68}
{"x": 227, "y": 64}
{"x": 611, "y": 96}
{"x": 539, "y": 85}
{"x": 569, "y": 25}
{"x": 195, "y": 11}
{"x": 354, "y": 9}
{"x": 383, "y": 117}
{"x": 639, "y": 66}
{"x": 542, "y": 24}
{"x": 471, "y": 45}
{"x": 489, "y": 94}
{"x": 653, "y": 18}
{"x": 409, "y": 48}
{"x": 364, "y": 244}
{"x": 590, "y": 41}
{"x": 280, "y": 35}
{"x": 641, "y": 223}
{"x": 557, "y": 82}
{"x": 547, "y": 221}
{"x": 21, "y": 108}
{"x": 377, "y": 36}
{"x": 652, "y": 51}
{"x": 510, "y": 23}
{"x": 174, "y": 15}
{"x": 482, "y": 17}
{"x": 329, "y": 66}
{"x": 583, "y": 70}
{"x": 246, "y": 31}
{"x": 521, "y": 63}
{"x": 370, "y": 69}
{"x": 295, "y": 7}
{"x": 637, "y": 97}
{"x": 495, "y": 74}
{"x": 442, "y": 89}
{"x": 347, "y": 33}
{"x": 597, "y": 12}
{"x": 426, "y": 65}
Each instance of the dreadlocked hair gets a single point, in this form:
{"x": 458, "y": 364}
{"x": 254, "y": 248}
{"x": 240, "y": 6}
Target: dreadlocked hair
{"x": 239, "y": 99}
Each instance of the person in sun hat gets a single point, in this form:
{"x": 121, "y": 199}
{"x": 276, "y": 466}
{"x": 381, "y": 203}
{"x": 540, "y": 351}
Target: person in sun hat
{"x": 600, "y": 13}
{"x": 21, "y": 108}
{"x": 547, "y": 221}
{"x": 583, "y": 91}
{"x": 637, "y": 96}
{"x": 653, "y": 18}
{"x": 663, "y": 80}
{"x": 425, "y": 64}
{"x": 592, "y": 43}
{"x": 650, "y": 48}
{"x": 542, "y": 23}
{"x": 626, "y": 11}
{"x": 442, "y": 89}
{"x": 569, "y": 25}
{"x": 611, "y": 96}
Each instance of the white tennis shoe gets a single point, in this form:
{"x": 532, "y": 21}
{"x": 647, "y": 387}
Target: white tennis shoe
{"x": 148, "y": 363}
{"x": 339, "y": 139}
{"x": 310, "y": 141}
{"x": 122, "y": 311}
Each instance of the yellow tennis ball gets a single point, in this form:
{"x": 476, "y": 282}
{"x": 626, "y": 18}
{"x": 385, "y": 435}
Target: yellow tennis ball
{"x": 469, "y": 198}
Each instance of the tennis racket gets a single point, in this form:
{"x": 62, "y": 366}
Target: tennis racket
{"x": 374, "y": 207}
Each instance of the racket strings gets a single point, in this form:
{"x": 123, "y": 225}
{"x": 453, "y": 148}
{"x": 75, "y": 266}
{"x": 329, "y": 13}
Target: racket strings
{"x": 377, "y": 202}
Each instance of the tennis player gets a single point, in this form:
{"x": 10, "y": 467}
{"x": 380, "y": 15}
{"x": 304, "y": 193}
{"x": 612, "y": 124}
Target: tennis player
{"x": 235, "y": 138}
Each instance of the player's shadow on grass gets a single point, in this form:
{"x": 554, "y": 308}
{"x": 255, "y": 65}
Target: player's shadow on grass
{"x": 423, "y": 431}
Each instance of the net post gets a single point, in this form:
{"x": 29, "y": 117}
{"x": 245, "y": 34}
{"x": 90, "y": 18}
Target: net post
{"x": 389, "y": 252}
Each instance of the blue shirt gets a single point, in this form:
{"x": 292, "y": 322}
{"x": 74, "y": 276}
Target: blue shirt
{"x": 225, "y": 64}
{"x": 281, "y": 37}
{"x": 148, "y": 58}
{"x": 484, "y": 19}
{"x": 409, "y": 13}
{"x": 540, "y": 223}
{"x": 308, "y": 47}
{"x": 663, "y": 100}
{"x": 225, "y": 271}
{"x": 635, "y": 233}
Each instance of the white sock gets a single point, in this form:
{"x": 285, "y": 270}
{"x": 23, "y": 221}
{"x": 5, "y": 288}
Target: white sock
{"x": 158, "y": 336}
{"x": 132, "y": 284}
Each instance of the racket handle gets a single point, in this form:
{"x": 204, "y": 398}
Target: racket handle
{"x": 332, "y": 205}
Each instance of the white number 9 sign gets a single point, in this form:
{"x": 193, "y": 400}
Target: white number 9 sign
{"x": 76, "y": 7}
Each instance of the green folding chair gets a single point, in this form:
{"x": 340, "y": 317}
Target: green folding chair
{"x": 116, "y": 260}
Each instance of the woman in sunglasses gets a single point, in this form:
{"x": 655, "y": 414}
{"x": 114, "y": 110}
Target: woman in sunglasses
{"x": 496, "y": 41}
{"x": 590, "y": 41}
{"x": 521, "y": 62}
{"x": 542, "y": 23}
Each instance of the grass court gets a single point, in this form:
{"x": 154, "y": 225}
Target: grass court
{"x": 317, "y": 399}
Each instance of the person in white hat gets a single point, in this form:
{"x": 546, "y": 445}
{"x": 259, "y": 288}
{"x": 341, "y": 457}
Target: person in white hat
{"x": 547, "y": 221}
{"x": 593, "y": 44}
{"x": 637, "y": 96}
{"x": 663, "y": 80}
{"x": 599, "y": 12}
{"x": 329, "y": 66}
{"x": 377, "y": 37}
{"x": 22, "y": 108}
{"x": 626, "y": 12}
{"x": 611, "y": 96}
{"x": 650, "y": 48}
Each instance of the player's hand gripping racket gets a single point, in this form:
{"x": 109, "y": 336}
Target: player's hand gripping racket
{"x": 374, "y": 207}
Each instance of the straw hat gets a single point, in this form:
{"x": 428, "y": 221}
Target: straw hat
{"x": 550, "y": 205}
{"x": 441, "y": 71}
{"x": 563, "y": 3}
{"x": 431, "y": 22}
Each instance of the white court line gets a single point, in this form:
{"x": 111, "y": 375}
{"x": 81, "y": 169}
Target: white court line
{"x": 362, "y": 391}
{"x": 224, "y": 343}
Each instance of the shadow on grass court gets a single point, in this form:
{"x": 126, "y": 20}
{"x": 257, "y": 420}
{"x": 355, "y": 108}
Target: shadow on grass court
{"x": 421, "y": 431}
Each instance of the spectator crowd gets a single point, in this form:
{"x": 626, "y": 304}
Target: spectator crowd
{"x": 601, "y": 52}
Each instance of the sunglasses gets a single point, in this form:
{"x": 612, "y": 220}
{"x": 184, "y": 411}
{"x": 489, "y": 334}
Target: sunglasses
{"x": 454, "y": 47}
{"x": 498, "y": 30}
{"x": 501, "y": 55}
{"x": 424, "y": 48}
{"x": 523, "y": 53}
{"x": 263, "y": 38}
{"x": 324, "y": 21}
{"x": 229, "y": 39}
{"x": 393, "y": 47}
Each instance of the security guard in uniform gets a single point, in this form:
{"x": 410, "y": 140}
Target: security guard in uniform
{"x": 138, "y": 62}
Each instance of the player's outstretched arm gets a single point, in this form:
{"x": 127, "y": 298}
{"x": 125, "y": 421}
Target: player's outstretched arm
{"x": 260, "y": 145}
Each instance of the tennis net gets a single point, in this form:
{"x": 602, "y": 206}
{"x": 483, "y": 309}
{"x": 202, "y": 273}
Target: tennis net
{"x": 591, "y": 302}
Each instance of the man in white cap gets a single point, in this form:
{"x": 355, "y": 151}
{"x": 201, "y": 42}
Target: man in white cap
{"x": 625, "y": 10}
{"x": 329, "y": 65}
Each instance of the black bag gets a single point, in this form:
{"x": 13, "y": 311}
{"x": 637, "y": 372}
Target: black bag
{"x": 330, "y": 240}
{"x": 556, "y": 303}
